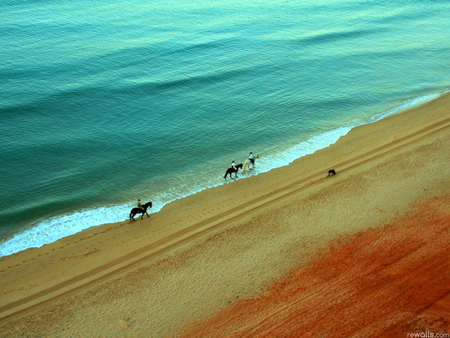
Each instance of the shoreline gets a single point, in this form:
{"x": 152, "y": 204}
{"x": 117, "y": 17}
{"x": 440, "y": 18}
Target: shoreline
{"x": 40, "y": 233}
{"x": 384, "y": 169}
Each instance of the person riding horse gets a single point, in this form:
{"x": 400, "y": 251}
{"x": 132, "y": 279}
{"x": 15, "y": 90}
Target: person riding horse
{"x": 233, "y": 170}
{"x": 141, "y": 209}
{"x": 251, "y": 158}
{"x": 249, "y": 163}
{"x": 139, "y": 204}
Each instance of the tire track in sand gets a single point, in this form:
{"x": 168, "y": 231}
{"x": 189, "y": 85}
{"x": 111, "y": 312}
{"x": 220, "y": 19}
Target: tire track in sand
{"x": 378, "y": 284}
{"x": 126, "y": 262}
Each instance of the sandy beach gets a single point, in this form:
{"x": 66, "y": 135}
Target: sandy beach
{"x": 288, "y": 253}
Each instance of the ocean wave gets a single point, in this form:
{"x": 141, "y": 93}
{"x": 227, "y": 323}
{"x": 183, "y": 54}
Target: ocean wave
{"x": 335, "y": 37}
{"x": 407, "y": 104}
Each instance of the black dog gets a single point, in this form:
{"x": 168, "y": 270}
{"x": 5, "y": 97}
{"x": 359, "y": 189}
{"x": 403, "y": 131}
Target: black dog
{"x": 331, "y": 172}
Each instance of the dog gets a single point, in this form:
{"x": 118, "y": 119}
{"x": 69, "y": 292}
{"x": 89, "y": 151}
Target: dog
{"x": 331, "y": 172}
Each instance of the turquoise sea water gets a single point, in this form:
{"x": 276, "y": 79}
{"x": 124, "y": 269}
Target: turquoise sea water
{"x": 109, "y": 101}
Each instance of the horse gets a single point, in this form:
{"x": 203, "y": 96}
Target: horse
{"x": 249, "y": 164}
{"x": 233, "y": 170}
{"x": 143, "y": 211}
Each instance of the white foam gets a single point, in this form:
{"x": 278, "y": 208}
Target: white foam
{"x": 55, "y": 228}
{"x": 406, "y": 104}
{"x": 302, "y": 149}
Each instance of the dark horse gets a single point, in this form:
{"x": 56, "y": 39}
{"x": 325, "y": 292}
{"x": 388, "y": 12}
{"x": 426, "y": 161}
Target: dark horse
{"x": 143, "y": 211}
{"x": 233, "y": 170}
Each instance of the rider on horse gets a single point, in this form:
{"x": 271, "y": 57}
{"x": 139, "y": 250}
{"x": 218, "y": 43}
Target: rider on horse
{"x": 139, "y": 204}
{"x": 251, "y": 158}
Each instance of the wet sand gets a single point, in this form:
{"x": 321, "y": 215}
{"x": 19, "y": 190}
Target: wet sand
{"x": 288, "y": 253}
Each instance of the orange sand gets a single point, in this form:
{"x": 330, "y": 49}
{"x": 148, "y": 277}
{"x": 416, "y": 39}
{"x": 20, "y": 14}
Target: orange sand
{"x": 383, "y": 282}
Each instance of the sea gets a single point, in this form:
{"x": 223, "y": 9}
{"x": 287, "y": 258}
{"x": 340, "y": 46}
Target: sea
{"x": 105, "y": 102}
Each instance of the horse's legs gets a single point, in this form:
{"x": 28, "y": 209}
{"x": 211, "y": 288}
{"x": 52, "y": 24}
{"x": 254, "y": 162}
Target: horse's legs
{"x": 144, "y": 212}
{"x": 136, "y": 211}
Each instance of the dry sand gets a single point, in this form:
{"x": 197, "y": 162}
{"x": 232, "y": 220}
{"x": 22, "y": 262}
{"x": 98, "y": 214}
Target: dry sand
{"x": 288, "y": 253}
